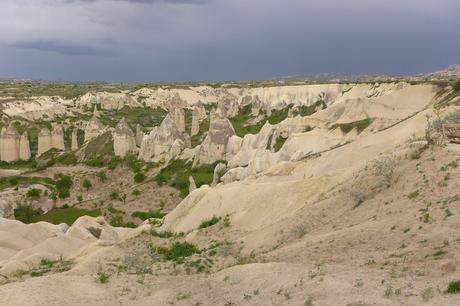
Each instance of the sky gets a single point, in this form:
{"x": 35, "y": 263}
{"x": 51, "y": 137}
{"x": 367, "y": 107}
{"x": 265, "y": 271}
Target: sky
{"x": 205, "y": 40}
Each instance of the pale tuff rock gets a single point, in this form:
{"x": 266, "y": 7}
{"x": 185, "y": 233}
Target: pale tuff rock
{"x": 107, "y": 100}
{"x": 24, "y": 147}
{"x": 139, "y": 135}
{"x": 74, "y": 146}
{"x": 50, "y": 139}
{"x": 57, "y": 137}
{"x": 178, "y": 116}
{"x": 94, "y": 126}
{"x": 162, "y": 139}
{"x": 214, "y": 146}
{"x": 44, "y": 141}
{"x": 35, "y": 108}
{"x": 192, "y": 184}
{"x": 198, "y": 114}
{"x": 124, "y": 140}
{"x": 219, "y": 171}
{"x": 9, "y": 140}
{"x": 252, "y": 143}
{"x": 256, "y": 106}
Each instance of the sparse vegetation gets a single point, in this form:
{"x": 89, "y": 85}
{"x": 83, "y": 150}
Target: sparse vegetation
{"x": 147, "y": 215}
{"x": 210, "y": 222}
{"x": 177, "y": 252}
{"x": 279, "y": 143}
{"x": 453, "y": 287}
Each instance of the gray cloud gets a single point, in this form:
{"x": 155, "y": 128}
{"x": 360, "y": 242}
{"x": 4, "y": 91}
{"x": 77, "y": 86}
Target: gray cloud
{"x": 156, "y": 40}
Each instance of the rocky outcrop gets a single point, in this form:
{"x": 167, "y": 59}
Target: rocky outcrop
{"x": 219, "y": 171}
{"x": 214, "y": 146}
{"x": 124, "y": 140}
{"x": 139, "y": 135}
{"x": 50, "y": 139}
{"x": 198, "y": 114}
{"x": 107, "y": 100}
{"x": 192, "y": 184}
{"x": 74, "y": 145}
{"x": 94, "y": 127}
{"x": 163, "y": 141}
{"x": 178, "y": 116}
{"x": 9, "y": 147}
{"x": 24, "y": 147}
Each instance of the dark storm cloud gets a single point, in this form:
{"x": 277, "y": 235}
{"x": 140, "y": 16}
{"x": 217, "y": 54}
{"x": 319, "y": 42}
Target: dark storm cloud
{"x": 167, "y": 40}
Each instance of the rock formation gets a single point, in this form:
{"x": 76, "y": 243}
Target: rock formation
{"x": 24, "y": 147}
{"x": 139, "y": 135}
{"x": 94, "y": 126}
{"x": 192, "y": 184}
{"x": 74, "y": 145}
{"x": 214, "y": 146}
{"x": 57, "y": 137}
{"x": 50, "y": 139}
{"x": 9, "y": 147}
{"x": 198, "y": 114}
{"x": 219, "y": 171}
{"x": 44, "y": 141}
{"x": 178, "y": 115}
{"x": 161, "y": 139}
{"x": 124, "y": 140}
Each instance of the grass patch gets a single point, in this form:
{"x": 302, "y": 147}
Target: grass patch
{"x": 144, "y": 215}
{"x": 14, "y": 181}
{"x": 359, "y": 125}
{"x": 210, "y": 222}
{"x": 178, "y": 171}
{"x": 279, "y": 143}
{"x": 57, "y": 216}
{"x": 177, "y": 252}
{"x": 145, "y": 116}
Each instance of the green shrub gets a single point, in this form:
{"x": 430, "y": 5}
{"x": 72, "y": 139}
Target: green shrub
{"x": 103, "y": 277}
{"x": 136, "y": 192}
{"x": 139, "y": 177}
{"x": 34, "y": 193}
{"x": 279, "y": 143}
{"x": 114, "y": 195}
{"x": 177, "y": 252}
{"x": 147, "y": 215}
{"x": 25, "y": 213}
{"x": 456, "y": 85}
{"x": 413, "y": 194}
{"x": 210, "y": 222}
{"x": 102, "y": 176}
{"x": 87, "y": 184}
{"x": 63, "y": 184}
{"x": 454, "y": 287}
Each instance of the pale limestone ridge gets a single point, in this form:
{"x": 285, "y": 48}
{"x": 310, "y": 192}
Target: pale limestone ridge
{"x": 198, "y": 115}
{"x": 178, "y": 115}
{"x": 139, "y": 135}
{"x": 124, "y": 139}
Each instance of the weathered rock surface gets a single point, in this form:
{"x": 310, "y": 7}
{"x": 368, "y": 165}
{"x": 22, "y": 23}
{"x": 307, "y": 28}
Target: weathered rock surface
{"x": 124, "y": 140}
{"x": 51, "y": 139}
{"x": 214, "y": 146}
{"x": 162, "y": 139}
{"x": 74, "y": 145}
{"x": 24, "y": 147}
{"x": 9, "y": 144}
{"x": 94, "y": 127}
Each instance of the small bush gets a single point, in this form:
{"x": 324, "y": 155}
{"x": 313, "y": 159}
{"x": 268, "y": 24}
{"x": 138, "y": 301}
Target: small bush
{"x": 210, "y": 222}
{"x": 63, "y": 184}
{"x": 147, "y": 215}
{"x": 87, "y": 184}
{"x": 103, "y": 277}
{"x": 102, "y": 176}
{"x": 136, "y": 192}
{"x": 413, "y": 194}
{"x": 139, "y": 177}
{"x": 34, "y": 193}
{"x": 114, "y": 195}
{"x": 456, "y": 86}
{"x": 454, "y": 287}
{"x": 178, "y": 251}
